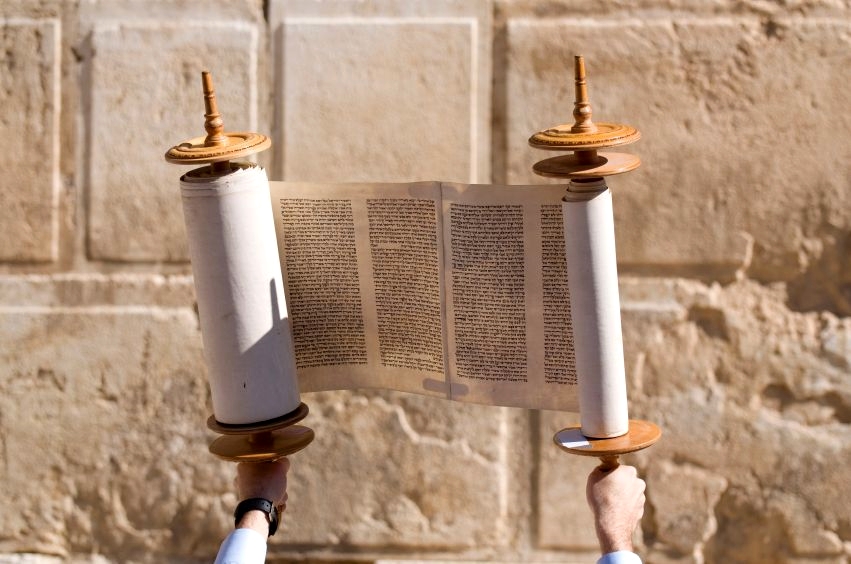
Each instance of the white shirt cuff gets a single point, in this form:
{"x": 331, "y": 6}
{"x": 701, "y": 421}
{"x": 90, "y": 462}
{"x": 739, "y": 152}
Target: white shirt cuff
{"x": 242, "y": 546}
{"x": 620, "y": 557}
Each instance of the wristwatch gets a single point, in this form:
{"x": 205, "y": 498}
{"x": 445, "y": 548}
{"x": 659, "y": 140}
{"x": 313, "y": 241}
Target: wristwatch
{"x": 257, "y": 503}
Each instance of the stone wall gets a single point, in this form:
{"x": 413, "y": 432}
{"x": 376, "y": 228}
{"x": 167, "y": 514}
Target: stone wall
{"x": 734, "y": 243}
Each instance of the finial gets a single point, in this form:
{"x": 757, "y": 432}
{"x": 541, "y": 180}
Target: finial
{"x": 584, "y": 137}
{"x": 218, "y": 147}
{"x": 581, "y": 107}
{"x": 214, "y": 126}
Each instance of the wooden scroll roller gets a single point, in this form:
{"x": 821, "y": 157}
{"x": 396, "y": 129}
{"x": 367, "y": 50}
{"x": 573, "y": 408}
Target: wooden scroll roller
{"x": 241, "y": 303}
{"x": 605, "y": 430}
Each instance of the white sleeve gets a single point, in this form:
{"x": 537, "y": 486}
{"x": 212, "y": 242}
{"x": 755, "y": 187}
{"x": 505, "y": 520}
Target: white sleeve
{"x": 620, "y": 557}
{"x": 242, "y": 546}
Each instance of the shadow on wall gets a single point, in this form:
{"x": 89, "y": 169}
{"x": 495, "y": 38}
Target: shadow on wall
{"x": 825, "y": 285}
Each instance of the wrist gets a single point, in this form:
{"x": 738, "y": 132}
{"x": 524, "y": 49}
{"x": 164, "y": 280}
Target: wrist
{"x": 615, "y": 543}
{"x": 606, "y": 548}
{"x": 258, "y": 514}
{"x": 255, "y": 520}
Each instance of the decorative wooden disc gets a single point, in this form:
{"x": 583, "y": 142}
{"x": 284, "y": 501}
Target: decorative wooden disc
{"x": 641, "y": 435}
{"x": 262, "y": 447}
{"x": 236, "y": 145}
{"x": 217, "y": 146}
{"x": 285, "y": 420}
{"x": 585, "y": 137}
{"x": 573, "y": 166}
{"x": 563, "y": 138}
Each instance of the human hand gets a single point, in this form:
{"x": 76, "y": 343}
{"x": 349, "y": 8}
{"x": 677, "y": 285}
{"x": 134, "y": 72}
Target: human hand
{"x": 263, "y": 479}
{"x": 616, "y": 498}
{"x": 267, "y": 480}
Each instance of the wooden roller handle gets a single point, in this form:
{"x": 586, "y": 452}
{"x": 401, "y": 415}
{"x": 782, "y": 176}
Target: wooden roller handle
{"x": 213, "y": 124}
{"x": 608, "y": 463}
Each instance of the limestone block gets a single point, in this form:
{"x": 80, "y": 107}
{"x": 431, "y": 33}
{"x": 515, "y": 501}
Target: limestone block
{"x": 753, "y": 401}
{"x": 684, "y": 498}
{"x": 93, "y": 289}
{"x": 25, "y": 558}
{"x": 162, "y": 13}
{"x": 102, "y": 416}
{"x": 666, "y": 297}
{"x": 386, "y": 469}
{"x": 29, "y": 139}
{"x": 564, "y": 521}
{"x": 143, "y": 96}
{"x": 29, "y": 559}
{"x": 744, "y": 390}
{"x": 383, "y": 91}
{"x": 770, "y": 531}
{"x": 808, "y": 536}
{"x": 743, "y": 134}
{"x": 391, "y": 469}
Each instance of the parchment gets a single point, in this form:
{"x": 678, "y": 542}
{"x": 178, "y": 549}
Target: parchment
{"x": 476, "y": 311}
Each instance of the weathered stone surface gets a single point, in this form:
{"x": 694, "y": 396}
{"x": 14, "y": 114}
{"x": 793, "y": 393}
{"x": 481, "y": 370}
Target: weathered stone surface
{"x": 546, "y": 9}
{"x": 836, "y": 341}
{"x": 384, "y": 92}
{"x": 744, "y": 392}
{"x": 686, "y": 497}
{"x": 162, "y": 13}
{"x": 101, "y": 418}
{"x": 400, "y": 470}
{"x": 144, "y": 95}
{"x": 754, "y": 402}
{"x": 29, "y": 139}
{"x": 41, "y": 559}
{"x": 743, "y": 107}
{"x": 735, "y": 178}
{"x": 392, "y": 469}
{"x": 92, "y": 289}
{"x": 564, "y": 521}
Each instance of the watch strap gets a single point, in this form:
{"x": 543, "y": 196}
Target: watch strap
{"x": 259, "y": 504}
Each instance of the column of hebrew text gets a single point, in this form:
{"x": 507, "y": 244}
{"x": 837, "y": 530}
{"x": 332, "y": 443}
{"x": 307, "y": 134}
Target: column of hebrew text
{"x": 322, "y": 278}
{"x": 404, "y": 245}
{"x": 559, "y": 361}
{"x": 488, "y": 275}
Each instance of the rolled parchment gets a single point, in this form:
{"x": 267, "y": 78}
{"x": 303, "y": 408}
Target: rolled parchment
{"x": 595, "y": 308}
{"x": 247, "y": 335}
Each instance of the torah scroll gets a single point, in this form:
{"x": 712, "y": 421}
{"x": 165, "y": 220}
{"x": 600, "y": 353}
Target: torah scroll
{"x": 448, "y": 290}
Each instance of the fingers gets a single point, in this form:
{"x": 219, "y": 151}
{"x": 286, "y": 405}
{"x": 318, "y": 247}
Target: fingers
{"x": 622, "y": 472}
{"x": 629, "y": 471}
{"x": 617, "y": 486}
{"x": 267, "y": 480}
{"x": 621, "y": 475}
